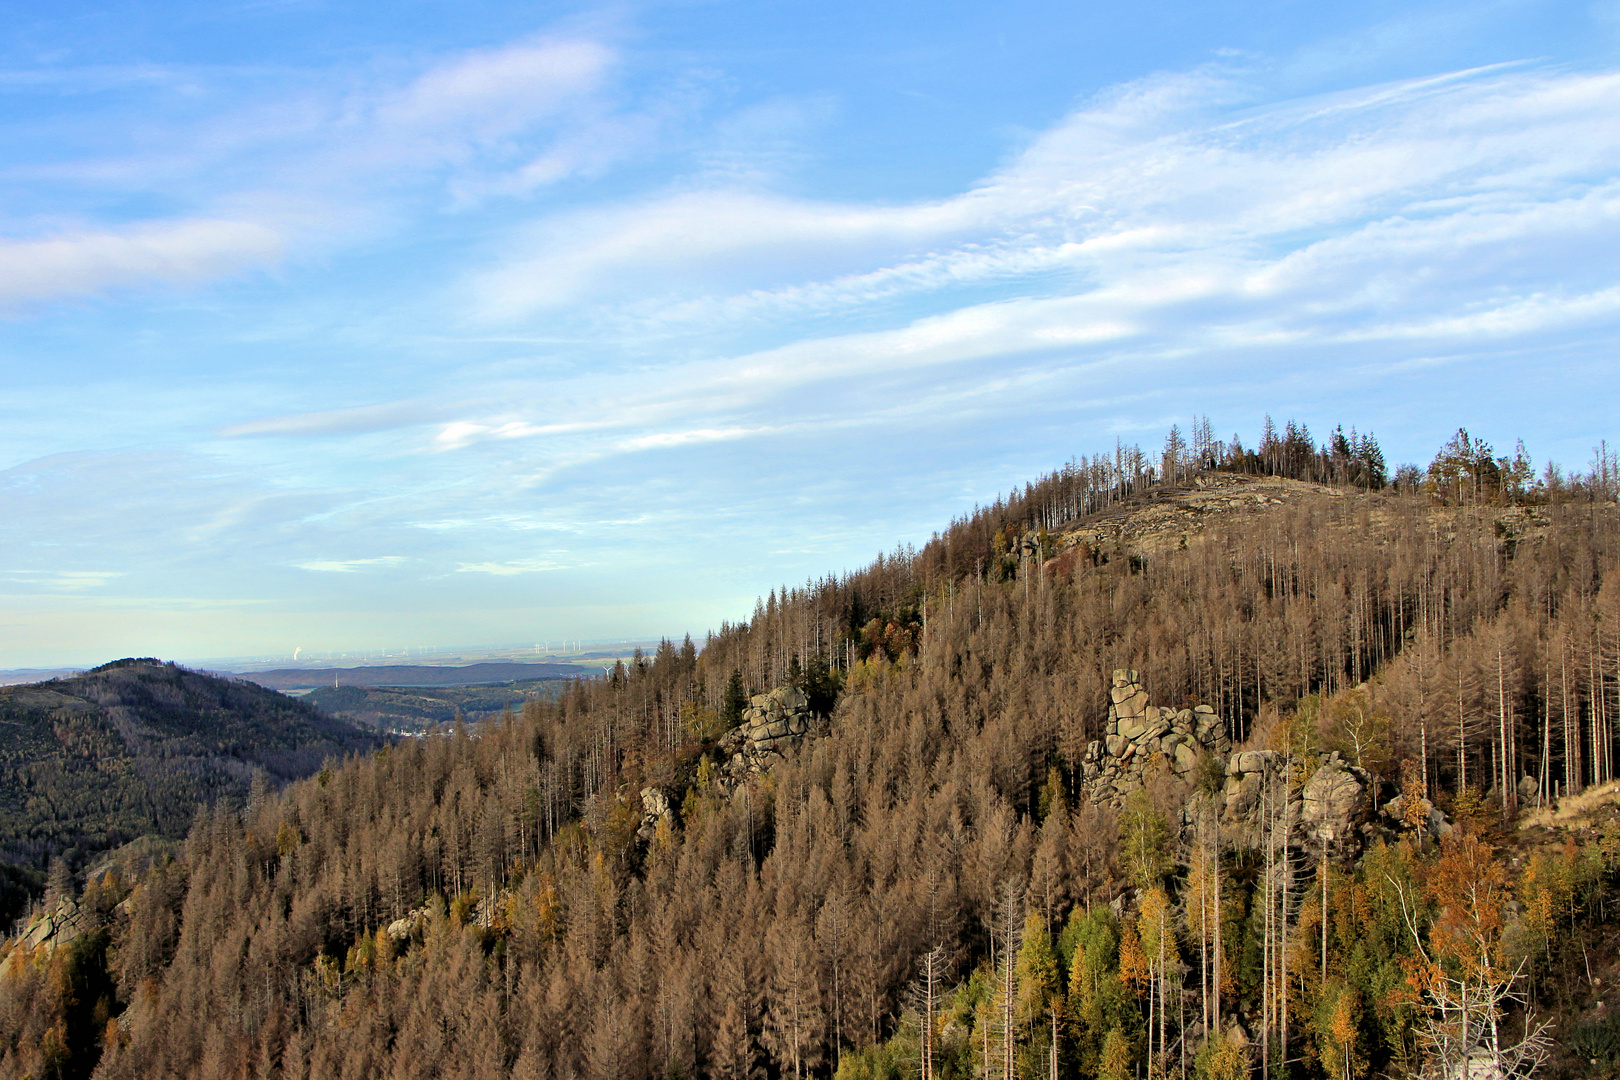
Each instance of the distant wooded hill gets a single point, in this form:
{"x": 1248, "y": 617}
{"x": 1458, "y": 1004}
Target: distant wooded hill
{"x": 409, "y": 675}
{"x": 135, "y": 746}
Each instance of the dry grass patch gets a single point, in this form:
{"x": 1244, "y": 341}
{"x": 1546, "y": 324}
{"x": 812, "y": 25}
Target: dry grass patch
{"x": 1567, "y": 811}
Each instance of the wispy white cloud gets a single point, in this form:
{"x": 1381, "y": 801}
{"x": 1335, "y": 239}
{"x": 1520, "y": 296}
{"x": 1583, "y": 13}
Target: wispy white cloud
{"x": 494, "y": 92}
{"x": 349, "y": 421}
{"x": 277, "y": 175}
{"x": 664, "y": 439}
{"x": 1132, "y": 200}
{"x": 516, "y": 566}
{"x": 61, "y": 580}
{"x": 349, "y": 566}
{"x": 168, "y": 252}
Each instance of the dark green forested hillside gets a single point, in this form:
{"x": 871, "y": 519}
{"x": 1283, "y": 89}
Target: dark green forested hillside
{"x": 1197, "y": 771}
{"x": 135, "y": 746}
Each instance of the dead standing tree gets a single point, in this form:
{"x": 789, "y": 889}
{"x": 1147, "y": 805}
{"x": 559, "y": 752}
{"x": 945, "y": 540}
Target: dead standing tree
{"x": 1461, "y": 970}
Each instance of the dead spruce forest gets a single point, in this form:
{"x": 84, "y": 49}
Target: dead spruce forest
{"x": 1223, "y": 763}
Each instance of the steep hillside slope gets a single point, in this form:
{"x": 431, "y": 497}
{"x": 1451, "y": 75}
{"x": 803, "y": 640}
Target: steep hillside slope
{"x": 1244, "y": 798}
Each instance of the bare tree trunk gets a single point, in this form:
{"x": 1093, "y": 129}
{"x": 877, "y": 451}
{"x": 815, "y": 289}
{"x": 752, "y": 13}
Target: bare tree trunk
{"x": 1266, "y": 942}
{"x": 1215, "y": 1009}
{"x": 1462, "y": 734}
{"x": 1282, "y": 927}
{"x": 1544, "y": 776}
{"x": 1324, "y": 910}
{"x": 1509, "y": 788}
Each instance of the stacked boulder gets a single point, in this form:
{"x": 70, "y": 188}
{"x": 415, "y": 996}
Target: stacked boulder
{"x": 1140, "y": 734}
{"x": 1330, "y": 807}
{"x": 771, "y": 724}
{"x": 655, "y": 805}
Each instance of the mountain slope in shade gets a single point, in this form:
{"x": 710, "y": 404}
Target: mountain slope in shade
{"x": 135, "y": 746}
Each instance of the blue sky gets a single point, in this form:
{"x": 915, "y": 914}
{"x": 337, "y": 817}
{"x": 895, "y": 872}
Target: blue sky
{"x": 360, "y": 326}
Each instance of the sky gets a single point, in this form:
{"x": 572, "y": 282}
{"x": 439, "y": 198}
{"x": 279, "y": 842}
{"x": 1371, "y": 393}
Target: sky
{"x": 348, "y": 326}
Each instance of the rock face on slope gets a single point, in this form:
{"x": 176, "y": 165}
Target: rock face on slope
{"x": 1139, "y": 735}
{"x": 1330, "y": 807}
{"x": 772, "y": 724}
{"x": 1328, "y": 803}
{"x": 655, "y": 807}
{"x": 58, "y": 927}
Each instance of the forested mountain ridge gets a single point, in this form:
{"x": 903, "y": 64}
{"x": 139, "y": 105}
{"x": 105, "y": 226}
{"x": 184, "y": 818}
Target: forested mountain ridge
{"x": 135, "y": 746}
{"x": 924, "y": 885}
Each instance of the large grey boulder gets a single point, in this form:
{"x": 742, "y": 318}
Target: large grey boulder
{"x": 1133, "y": 707}
{"x": 1251, "y": 761}
{"x": 1332, "y": 800}
{"x": 58, "y": 927}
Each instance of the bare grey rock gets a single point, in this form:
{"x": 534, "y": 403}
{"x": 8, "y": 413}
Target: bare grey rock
{"x": 1332, "y": 800}
{"x": 1133, "y": 706}
{"x": 772, "y": 724}
{"x": 1140, "y": 736}
{"x": 1251, "y": 761}
{"x": 654, "y": 801}
{"x": 54, "y": 928}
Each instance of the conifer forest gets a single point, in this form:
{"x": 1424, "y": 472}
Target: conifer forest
{"x": 1214, "y": 762}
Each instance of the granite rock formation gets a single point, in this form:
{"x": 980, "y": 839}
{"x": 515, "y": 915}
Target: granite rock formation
{"x": 1139, "y": 734}
{"x": 1326, "y": 803}
{"x": 55, "y": 928}
{"x": 772, "y": 724}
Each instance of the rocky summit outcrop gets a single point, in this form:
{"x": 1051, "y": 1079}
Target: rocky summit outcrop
{"x": 1139, "y": 735}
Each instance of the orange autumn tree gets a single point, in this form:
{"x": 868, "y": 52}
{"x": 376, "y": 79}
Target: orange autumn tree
{"x": 1463, "y": 972}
